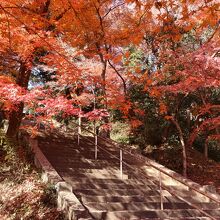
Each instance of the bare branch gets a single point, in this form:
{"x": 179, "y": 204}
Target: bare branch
{"x": 111, "y": 9}
{"x": 117, "y": 72}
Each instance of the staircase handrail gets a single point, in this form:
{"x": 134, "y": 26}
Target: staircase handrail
{"x": 148, "y": 163}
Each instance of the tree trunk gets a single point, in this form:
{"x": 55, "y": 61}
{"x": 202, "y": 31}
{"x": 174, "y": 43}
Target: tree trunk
{"x": 15, "y": 120}
{"x": 166, "y": 133}
{"x": 105, "y": 134}
{"x": 182, "y": 142}
{"x": 16, "y": 115}
{"x": 206, "y": 150}
{"x": 103, "y": 76}
{"x": 188, "y": 115}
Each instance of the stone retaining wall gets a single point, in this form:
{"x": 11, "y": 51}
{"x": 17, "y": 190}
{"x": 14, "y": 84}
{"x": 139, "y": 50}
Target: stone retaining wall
{"x": 66, "y": 200}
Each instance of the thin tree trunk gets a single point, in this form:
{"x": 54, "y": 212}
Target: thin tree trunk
{"x": 166, "y": 133}
{"x": 188, "y": 115}
{"x": 103, "y": 75}
{"x": 182, "y": 142}
{"x": 106, "y": 119}
{"x": 206, "y": 150}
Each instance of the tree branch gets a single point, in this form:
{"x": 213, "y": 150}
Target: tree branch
{"x": 35, "y": 32}
{"x": 117, "y": 72}
{"x": 111, "y": 9}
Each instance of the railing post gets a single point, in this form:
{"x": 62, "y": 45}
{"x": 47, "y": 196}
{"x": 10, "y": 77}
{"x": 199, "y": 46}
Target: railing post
{"x": 96, "y": 140}
{"x": 161, "y": 192}
{"x": 78, "y": 138}
{"x": 79, "y": 128}
{"x": 121, "y": 161}
{"x": 96, "y": 145}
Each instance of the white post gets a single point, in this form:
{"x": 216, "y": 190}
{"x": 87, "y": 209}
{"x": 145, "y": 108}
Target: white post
{"x": 96, "y": 145}
{"x": 161, "y": 192}
{"x": 79, "y": 127}
{"x": 80, "y": 121}
{"x": 96, "y": 140}
{"x": 121, "y": 161}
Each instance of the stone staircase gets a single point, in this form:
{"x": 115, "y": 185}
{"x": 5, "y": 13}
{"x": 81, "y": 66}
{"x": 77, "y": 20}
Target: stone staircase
{"x": 107, "y": 195}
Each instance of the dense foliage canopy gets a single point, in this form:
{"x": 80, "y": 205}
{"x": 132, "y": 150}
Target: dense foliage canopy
{"x": 150, "y": 61}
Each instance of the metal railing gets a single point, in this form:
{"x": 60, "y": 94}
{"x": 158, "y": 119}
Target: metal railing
{"x": 147, "y": 163}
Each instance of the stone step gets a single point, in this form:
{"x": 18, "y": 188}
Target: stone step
{"x": 98, "y": 185}
{"x": 88, "y": 218}
{"x": 84, "y": 141}
{"x": 65, "y": 150}
{"x": 150, "y": 214}
{"x": 150, "y": 199}
{"x": 105, "y": 171}
{"x": 73, "y": 160}
{"x": 88, "y": 152}
{"x": 114, "y": 161}
{"x": 194, "y": 200}
{"x": 98, "y": 174}
{"x": 58, "y": 141}
{"x": 108, "y": 170}
{"x": 77, "y": 149}
{"x": 201, "y": 202}
{"x": 101, "y": 160}
{"x": 123, "y": 199}
{"x": 111, "y": 181}
{"x": 76, "y": 165}
{"x": 106, "y": 158}
{"x": 136, "y": 206}
{"x": 116, "y": 192}
{"x": 214, "y": 212}
{"x": 208, "y": 206}
{"x": 57, "y": 145}
{"x": 193, "y": 218}
{"x": 73, "y": 150}
{"x": 78, "y": 160}
{"x": 84, "y": 165}
{"x": 111, "y": 186}
{"x": 69, "y": 143}
{"x": 103, "y": 163}
{"x": 191, "y": 195}
{"x": 79, "y": 156}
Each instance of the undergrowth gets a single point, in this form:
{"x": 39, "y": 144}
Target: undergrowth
{"x": 22, "y": 194}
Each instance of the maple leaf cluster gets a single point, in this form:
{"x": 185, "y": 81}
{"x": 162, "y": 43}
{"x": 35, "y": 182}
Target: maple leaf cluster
{"x": 88, "y": 47}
